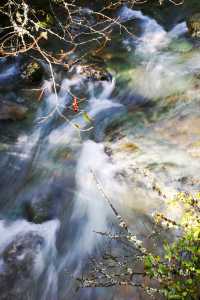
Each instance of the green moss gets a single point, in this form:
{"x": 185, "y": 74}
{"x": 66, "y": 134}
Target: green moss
{"x": 182, "y": 46}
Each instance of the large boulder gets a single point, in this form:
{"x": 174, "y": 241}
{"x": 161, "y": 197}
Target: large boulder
{"x": 193, "y": 24}
{"x": 17, "y": 266}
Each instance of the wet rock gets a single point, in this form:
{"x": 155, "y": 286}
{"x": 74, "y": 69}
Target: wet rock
{"x": 36, "y": 212}
{"x": 39, "y": 205}
{"x": 32, "y": 72}
{"x": 17, "y": 266}
{"x": 12, "y": 111}
{"x": 94, "y": 72}
{"x": 16, "y": 73}
{"x": 108, "y": 151}
{"x": 193, "y": 24}
{"x": 189, "y": 180}
{"x": 45, "y": 201}
{"x": 174, "y": 13}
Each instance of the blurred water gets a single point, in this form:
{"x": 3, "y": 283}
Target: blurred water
{"x": 62, "y": 159}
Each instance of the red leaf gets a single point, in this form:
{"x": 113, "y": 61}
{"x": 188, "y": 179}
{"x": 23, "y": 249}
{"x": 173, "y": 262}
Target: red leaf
{"x": 75, "y": 104}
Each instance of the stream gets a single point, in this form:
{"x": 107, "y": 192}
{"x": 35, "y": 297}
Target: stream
{"x": 139, "y": 134}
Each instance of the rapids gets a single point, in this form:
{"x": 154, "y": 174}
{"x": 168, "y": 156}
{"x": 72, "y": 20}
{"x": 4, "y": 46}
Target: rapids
{"x": 144, "y": 130}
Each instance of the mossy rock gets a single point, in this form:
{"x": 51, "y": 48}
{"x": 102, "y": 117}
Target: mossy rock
{"x": 193, "y": 24}
{"x": 32, "y": 72}
{"x": 37, "y": 212}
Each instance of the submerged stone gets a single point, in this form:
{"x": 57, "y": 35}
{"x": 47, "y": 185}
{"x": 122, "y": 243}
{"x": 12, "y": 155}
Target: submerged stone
{"x": 181, "y": 46}
{"x": 39, "y": 205}
{"x": 46, "y": 200}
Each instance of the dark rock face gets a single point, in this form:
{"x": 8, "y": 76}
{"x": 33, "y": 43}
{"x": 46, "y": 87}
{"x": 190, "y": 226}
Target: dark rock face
{"x": 41, "y": 208}
{"x": 169, "y": 14}
{"x": 193, "y": 24}
{"x": 46, "y": 201}
{"x": 12, "y": 111}
{"x": 39, "y": 204}
{"x": 17, "y": 264}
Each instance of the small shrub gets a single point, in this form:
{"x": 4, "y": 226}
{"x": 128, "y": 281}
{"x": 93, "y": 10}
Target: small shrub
{"x": 178, "y": 271}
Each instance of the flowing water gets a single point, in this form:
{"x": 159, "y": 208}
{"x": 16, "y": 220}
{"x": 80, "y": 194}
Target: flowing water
{"x": 142, "y": 131}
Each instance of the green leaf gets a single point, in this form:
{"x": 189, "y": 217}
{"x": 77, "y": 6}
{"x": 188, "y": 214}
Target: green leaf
{"x": 86, "y": 117}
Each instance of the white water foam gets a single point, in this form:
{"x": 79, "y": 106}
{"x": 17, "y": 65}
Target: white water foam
{"x": 67, "y": 132}
{"x": 8, "y": 232}
{"x": 9, "y": 72}
{"x": 154, "y": 37}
